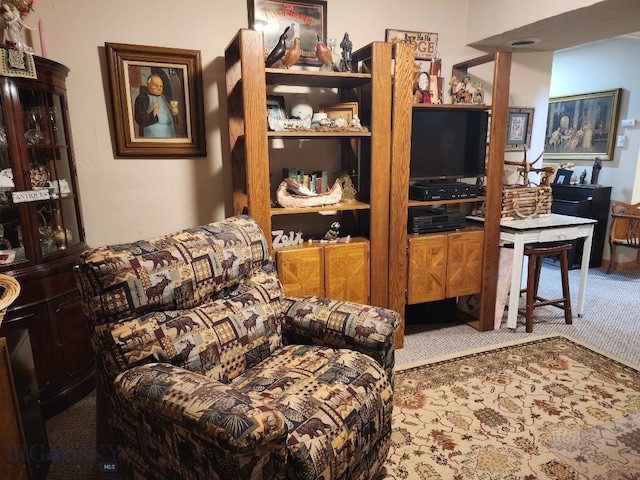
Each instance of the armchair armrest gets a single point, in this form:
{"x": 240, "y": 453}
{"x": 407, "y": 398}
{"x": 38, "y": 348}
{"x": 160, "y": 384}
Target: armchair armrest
{"x": 244, "y": 430}
{"x": 340, "y": 324}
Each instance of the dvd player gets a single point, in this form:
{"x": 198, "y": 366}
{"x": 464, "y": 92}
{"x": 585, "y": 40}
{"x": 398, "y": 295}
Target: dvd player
{"x": 442, "y": 191}
{"x": 425, "y": 220}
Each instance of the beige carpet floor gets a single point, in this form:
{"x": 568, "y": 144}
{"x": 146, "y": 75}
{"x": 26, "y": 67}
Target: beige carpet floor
{"x": 545, "y": 409}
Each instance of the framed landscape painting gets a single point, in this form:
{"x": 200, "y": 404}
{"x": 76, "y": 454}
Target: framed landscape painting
{"x": 582, "y": 127}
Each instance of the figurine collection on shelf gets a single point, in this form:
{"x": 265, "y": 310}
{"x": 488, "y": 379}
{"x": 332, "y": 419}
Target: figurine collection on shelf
{"x": 466, "y": 91}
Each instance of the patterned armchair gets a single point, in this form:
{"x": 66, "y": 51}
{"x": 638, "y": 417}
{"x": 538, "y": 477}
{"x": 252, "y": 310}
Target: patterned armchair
{"x": 209, "y": 371}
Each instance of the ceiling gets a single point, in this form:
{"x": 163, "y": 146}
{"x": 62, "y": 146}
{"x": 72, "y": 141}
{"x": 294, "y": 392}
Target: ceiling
{"x": 599, "y": 21}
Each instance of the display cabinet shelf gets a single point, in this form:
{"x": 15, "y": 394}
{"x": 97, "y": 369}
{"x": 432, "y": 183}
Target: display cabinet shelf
{"x": 337, "y": 207}
{"x": 312, "y": 134}
{"x": 313, "y": 78}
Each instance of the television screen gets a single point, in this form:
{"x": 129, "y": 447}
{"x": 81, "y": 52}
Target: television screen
{"x": 448, "y": 143}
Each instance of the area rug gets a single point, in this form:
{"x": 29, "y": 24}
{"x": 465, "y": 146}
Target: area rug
{"x": 545, "y": 408}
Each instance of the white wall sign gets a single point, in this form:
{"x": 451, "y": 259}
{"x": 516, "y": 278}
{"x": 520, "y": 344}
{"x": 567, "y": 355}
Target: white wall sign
{"x": 30, "y": 196}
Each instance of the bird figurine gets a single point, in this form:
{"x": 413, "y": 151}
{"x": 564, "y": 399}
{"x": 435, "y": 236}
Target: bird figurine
{"x": 292, "y": 55}
{"x": 278, "y": 51}
{"x": 333, "y": 232}
{"x": 324, "y": 55}
{"x": 291, "y": 35}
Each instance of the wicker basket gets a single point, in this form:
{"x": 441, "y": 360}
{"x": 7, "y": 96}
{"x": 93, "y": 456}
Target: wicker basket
{"x": 10, "y": 291}
{"x": 520, "y": 202}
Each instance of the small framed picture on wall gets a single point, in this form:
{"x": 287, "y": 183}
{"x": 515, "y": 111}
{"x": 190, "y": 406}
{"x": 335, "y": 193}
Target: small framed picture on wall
{"x": 519, "y": 125}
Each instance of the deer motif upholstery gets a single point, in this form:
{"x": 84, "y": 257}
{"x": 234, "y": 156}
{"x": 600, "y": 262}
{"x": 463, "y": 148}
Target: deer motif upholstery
{"x": 625, "y": 230}
{"x": 209, "y": 371}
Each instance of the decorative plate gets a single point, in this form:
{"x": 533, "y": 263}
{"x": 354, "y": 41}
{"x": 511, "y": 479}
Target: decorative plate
{"x": 39, "y": 175}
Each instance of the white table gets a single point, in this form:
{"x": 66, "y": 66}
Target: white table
{"x": 551, "y": 228}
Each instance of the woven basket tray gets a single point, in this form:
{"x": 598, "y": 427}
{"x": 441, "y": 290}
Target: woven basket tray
{"x": 9, "y": 291}
{"x": 519, "y": 202}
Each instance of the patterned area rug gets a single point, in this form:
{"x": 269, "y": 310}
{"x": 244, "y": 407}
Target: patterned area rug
{"x": 547, "y": 408}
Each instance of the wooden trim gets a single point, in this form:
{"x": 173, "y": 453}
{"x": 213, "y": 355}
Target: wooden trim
{"x": 398, "y": 194}
{"x": 493, "y": 202}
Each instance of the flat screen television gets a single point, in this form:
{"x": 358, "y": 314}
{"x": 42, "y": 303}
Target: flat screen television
{"x": 448, "y": 143}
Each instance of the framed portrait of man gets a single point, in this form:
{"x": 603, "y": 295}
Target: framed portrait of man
{"x": 156, "y": 97}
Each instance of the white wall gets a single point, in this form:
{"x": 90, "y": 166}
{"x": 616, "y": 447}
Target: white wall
{"x": 129, "y": 199}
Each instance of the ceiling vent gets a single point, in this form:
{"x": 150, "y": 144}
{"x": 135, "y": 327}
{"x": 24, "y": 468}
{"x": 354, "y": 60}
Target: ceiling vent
{"x": 522, "y": 42}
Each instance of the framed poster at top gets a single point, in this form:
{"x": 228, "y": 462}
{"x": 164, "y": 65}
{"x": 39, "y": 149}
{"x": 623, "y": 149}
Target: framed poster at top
{"x": 307, "y": 19}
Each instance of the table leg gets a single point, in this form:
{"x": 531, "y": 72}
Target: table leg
{"x": 516, "y": 281}
{"x": 584, "y": 269}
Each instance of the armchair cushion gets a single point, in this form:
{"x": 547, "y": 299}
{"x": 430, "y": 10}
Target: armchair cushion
{"x": 341, "y": 324}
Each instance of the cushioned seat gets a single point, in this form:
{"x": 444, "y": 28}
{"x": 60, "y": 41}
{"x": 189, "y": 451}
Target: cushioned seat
{"x": 211, "y": 372}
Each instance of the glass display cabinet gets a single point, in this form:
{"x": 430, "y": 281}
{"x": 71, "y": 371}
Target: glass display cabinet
{"x": 41, "y": 233}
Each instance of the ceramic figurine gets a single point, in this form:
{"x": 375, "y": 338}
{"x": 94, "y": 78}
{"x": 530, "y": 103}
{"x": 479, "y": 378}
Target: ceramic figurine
{"x": 333, "y": 232}
{"x": 278, "y": 51}
{"x": 346, "y": 45}
{"x": 595, "y": 171}
{"x": 13, "y": 25}
{"x": 324, "y": 55}
{"x": 292, "y": 55}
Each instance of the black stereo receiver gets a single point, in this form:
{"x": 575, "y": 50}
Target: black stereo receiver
{"x": 424, "y": 220}
{"x": 442, "y": 191}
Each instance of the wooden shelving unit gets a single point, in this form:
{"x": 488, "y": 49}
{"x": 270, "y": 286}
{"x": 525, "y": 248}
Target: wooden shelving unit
{"x": 398, "y": 237}
{"x": 248, "y": 82}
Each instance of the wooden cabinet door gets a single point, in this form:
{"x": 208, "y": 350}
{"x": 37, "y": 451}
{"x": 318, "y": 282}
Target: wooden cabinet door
{"x": 427, "y": 268}
{"x": 347, "y": 271}
{"x": 464, "y": 263}
{"x": 301, "y": 270}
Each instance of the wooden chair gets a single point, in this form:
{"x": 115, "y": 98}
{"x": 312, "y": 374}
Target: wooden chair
{"x": 625, "y": 230}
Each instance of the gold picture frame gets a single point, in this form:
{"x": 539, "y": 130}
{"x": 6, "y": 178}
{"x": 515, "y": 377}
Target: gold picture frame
{"x": 346, "y": 110}
{"x": 169, "y": 124}
{"x": 582, "y": 127}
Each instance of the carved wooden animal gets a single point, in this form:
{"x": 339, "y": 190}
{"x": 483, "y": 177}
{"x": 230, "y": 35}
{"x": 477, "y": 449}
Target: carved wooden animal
{"x": 156, "y": 290}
